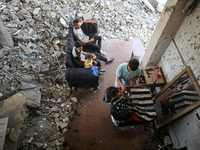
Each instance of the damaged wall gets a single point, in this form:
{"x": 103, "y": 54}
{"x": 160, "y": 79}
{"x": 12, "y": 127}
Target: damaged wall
{"x": 187, "y": 42}
{"x": 169, "y": 23}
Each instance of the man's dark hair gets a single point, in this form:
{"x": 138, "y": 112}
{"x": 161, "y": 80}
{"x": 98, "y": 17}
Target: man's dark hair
{"x": 133, "y": 64}
{"x": 111, "y": 91}
{"x": 77, "y": 20}
{"x": 78, "y": 44}
{"x": 88, "y": 56}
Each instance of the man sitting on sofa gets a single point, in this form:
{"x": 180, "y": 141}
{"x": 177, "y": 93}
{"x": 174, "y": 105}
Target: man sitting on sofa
{"x": 90, "y": 42}
{"x": 79, "y": 55}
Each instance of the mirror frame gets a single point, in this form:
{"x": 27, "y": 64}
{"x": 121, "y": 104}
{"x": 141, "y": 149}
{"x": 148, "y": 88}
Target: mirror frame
{"x": 187, "y": 109}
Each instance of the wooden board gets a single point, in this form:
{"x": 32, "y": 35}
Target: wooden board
{"x": 153, "y": 76}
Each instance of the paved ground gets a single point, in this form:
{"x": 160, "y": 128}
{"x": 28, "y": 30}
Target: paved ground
{"x": 92, "y": 127}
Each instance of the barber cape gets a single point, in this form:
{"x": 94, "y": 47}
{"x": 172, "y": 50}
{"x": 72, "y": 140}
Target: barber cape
{"x": 138, "y": 101}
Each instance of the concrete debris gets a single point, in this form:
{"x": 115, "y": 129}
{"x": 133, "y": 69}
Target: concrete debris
{"x": 5, "y": 38}
{"x": 161, "y": 5}
{"x": 38, "y": 31}
{"x": 13, "y": 108}
{"x": 44, "y": 68}
{"x": 56, "y": 94}
{"x": 33, "y": 97}
{"x": 26, "y": 85}
{"x": 74, "y": 99}
{"x": 13, "y": 136}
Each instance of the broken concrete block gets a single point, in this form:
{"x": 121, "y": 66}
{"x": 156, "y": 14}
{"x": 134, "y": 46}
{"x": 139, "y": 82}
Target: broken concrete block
{"x": 33, "y": 97}
{"x": 5, "y": 38}
{"x": 46, "y": 8}
{"x": 13, "y": 107}
{"x": 55, "y": 94}
{"x": 57, "y": 54}
{"x": 13, "y": 137}
{"x": 25, "y": 85}
{"x": 36, "y": 11}
{"x": 66, "y": 119}
{"x": 63, "y": 22}
{"x": 24, "y": 14}
{"x": 61, "y": 124}
{"x": 44, "y": 68}
{"x": 54, "y": 108}
{"x": 74, "y": 99}
{"x": 55, "y": 115}
{"x": 87, "y": 16}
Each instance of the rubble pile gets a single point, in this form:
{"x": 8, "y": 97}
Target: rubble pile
{"x": 36, "y": 65}
{"x": 46, "y": 125}
{"x": 119, "y": 19}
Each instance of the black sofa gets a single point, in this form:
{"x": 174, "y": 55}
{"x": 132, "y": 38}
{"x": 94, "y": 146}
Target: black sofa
{"x": 74, "y": 74}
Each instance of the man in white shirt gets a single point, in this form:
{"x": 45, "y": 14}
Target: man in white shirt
{"x": 84, "y": 39}
{"x": 79, "y": 55}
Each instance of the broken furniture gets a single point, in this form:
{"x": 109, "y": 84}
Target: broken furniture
{"x": 76, "y": 76}
{"x": 152, "y": 77}
{"x": 177, "y": 107}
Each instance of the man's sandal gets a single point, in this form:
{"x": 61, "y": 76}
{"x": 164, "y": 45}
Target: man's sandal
{"x": 111, "y": 60}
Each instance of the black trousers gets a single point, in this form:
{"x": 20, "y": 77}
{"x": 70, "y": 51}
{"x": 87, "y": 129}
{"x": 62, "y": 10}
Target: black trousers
{"x": 99, "y": 57}
{"x": 93, "y": 45}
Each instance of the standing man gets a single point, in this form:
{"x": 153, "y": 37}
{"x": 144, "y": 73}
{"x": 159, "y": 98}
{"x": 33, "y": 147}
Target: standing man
{"x": 127, "y": 74}
{"x": 84, "y": 39}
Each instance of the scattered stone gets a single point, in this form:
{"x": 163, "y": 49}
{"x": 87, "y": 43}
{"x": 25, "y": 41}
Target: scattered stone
{"x": 54, "y": 109}
{"x": 87, "y": 16}
{"x": 44, "y": 68}
{"x": 74, "y": 99}
{"x": 61, "y": 124}
{"x": 55, "y": 115}
{"x": 46, "y": 8}
{"x": 55, "y": 94}
{"x": 13, "y": 136}
{"x": 25, "y": 85}
{"x": 33, "y": 97}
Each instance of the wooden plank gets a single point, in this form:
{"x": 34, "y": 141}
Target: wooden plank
{"x": 194, "y": 80}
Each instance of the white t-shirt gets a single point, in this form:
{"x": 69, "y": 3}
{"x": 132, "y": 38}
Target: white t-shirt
{"x": 82, "y": 56}
{"x": 78, "y": 33}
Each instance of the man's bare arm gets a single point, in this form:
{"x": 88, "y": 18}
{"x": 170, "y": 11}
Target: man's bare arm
{"x": 85, "y": 53}
{"x": 120, "y": 83}
{"x": 134, "y": 81}
{"x": 82, "y": 60}
{"x": 84, "y": 42}
{"x": 92, "y": 22}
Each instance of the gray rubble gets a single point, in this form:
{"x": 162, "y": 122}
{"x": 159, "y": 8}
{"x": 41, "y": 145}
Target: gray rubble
{"x": 35, "y": 64}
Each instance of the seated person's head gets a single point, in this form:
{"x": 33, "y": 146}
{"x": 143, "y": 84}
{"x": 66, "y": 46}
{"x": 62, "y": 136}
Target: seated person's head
{"x": 88, "y": 57}
{"x": 113, "y": 92}
{"x": 78, "y": 46}
{"x": 133, "y": 65}
{"x": 77, "y": 23}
